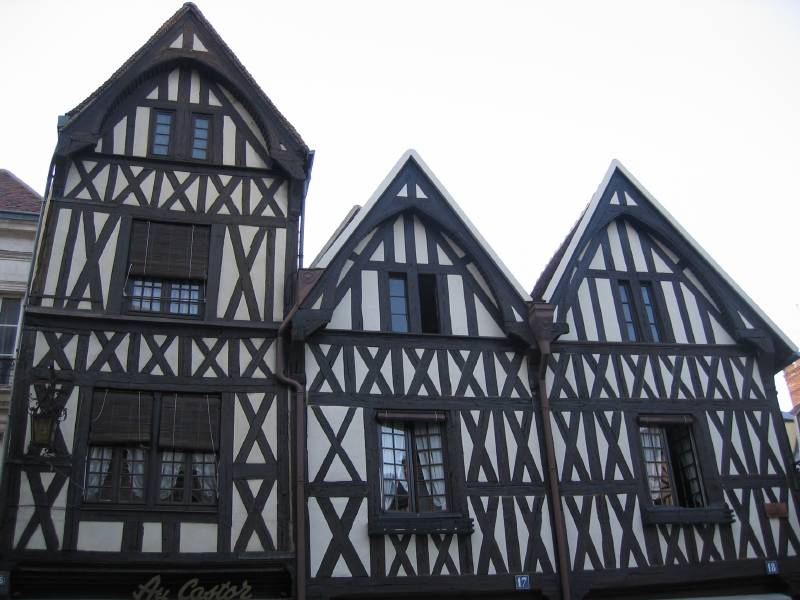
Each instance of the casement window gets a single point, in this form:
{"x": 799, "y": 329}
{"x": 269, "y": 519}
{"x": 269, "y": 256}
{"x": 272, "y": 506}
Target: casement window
{"x": 138, "y": 438}
{"x": 427, "y": 307}
{"x": 412, "y": 485}
{"x": 181, "y": 135}
{"x": 9, "y": 321}
{"x": 201, "y": 130}
{"x": 671, "y": 462}
{"x": 163, "y": 133}
{"x": 412, "y": 462}
{"x": 167, "y": 268}
{"x": 639, "y": 313}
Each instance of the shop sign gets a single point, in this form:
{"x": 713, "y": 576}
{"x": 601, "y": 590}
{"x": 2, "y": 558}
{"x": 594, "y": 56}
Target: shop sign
{"x": 193, "y": 590}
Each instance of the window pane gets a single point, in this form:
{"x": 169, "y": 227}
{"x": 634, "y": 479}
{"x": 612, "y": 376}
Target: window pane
{"x": 99, "y": 486}
{"x": 131, "y": 478}
{"x": 8, "y": 334}
{"x": 9, "y": 311}
{"x": 204, "y": 478}
{"x": 173, "y": 476}
{"x": 394, "y": 472}
{"x": 162, "y": 133}
{"x": 397, "y": 287}
{"x": 429, "y": 471}
{"x": 397, "y": 306}
{"x": 163, "y": 117}
{"x": 399, "y": 323}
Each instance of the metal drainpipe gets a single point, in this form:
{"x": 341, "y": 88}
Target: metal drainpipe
{"x": 541, "y": 319}
{"x": 300, "y": 456}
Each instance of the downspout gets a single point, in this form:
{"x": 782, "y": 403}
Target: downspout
{"x": 299, "y": 452}
{"x": 540, "y": 318}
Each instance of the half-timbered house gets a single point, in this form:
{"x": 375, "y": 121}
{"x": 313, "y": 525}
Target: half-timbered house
{"x": 674, "y": 469}
{"x": 425, "y": 471}
{"x": 165, "y": 266}
{"x": 402, "y": 418}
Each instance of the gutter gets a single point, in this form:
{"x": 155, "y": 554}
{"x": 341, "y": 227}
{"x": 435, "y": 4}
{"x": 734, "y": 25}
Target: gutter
{"x": 540, "y": 318}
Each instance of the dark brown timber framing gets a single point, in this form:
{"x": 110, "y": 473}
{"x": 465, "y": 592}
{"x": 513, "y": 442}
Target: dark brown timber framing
{"x": 540, "y": 318}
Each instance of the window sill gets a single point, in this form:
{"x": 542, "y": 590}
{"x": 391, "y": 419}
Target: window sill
{"x": 145, "y": 508}
{"x": 652, "y": 515}
{"x": 420, "y": 523}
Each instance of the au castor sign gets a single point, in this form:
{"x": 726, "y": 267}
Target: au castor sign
{"x": 193, "y": 590}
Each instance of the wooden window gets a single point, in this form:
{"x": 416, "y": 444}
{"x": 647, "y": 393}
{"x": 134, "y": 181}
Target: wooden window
{"x": 671, "y": 464}
{"x": 9, "y": 322}
{"x": 398, "y": 302}
{"x": 418, "y": 310}
{"x": 639, "y": 316}
{"x": 167, "y": 268}
{"x": 163, "y": 133}
{"x": 413, "y": 463}
{"x": 129, "y": 438}
{"x": 201, "y": 128}
{"x": 428, "y": 303}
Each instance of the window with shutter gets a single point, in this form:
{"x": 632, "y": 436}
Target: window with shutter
{"x": 134, "y": 433}
{"x": 167, "y": 268}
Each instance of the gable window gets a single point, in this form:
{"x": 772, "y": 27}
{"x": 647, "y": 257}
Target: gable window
{"x": 639, "y": 314}
{"x": 428, "y": 305}
{"x": 427, "y": 309}
{"x": 671, "y": 463}
{"x": 413, "y": 465}
{"x": 201, "y": 126}
{"x": 134, "y": 433}
{"x": 167, "y": 268}
{"x": 398, "y": 302}
{"x": 162, "y": 133}
{"x": 9, "y": 320}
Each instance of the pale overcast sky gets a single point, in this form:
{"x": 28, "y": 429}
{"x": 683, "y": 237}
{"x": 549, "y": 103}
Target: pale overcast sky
{"x": 518, "y": 107}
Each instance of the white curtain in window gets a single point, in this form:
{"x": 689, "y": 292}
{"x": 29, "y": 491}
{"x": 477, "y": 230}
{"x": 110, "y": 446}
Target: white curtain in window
{"x": 136, "y": 465}
{"x": 429, "y": 455}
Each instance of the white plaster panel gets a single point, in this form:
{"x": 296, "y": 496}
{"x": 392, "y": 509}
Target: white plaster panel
{"x": 616, "y": 247}
{"x": 487, "y": 326}
{"x": 78, "y": 257}
{"x": 694, "y": 315}
{"x": 198, "y": 537}
{"x": 151, "y": 537}
{"x": 458, "y": 310}
{"x": 100, "y": 536}
{"x": 399, "y": 240}
{"x": 319, "y": 535}
{"x": 141, "y": 131}
{"x": 119, "y": 135}
{"x": 194, "y": 87}
{"x": 671, "y": 302}
{"x": 228, "y": 276}
{"x": 608, "y": 310}
{"x": 279, "y": 275}
{"x": 370, "y": 307}
{"x": 228, "y": 141}
{"x": 420, "y": 242}
{"x": 585, "y": 302}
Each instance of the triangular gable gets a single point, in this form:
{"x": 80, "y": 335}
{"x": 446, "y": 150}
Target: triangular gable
{"x": 620, "y": 195}
{"x": 186, "y": 38}
{"x": 412, "y": 219}
{"x": 324, "y": 259}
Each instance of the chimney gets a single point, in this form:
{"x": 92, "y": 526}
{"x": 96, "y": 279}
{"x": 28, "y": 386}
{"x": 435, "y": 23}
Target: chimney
{"x": 792, "y": 375}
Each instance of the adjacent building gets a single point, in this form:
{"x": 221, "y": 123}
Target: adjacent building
{"x": 400, "y": 419}
{"x": 19, "y": 217}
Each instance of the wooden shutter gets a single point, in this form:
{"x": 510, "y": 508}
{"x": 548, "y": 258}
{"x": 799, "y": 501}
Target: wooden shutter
{"x": 121, "y": 417}
{"x": 169, "y": 250}
{"x": 189, "y": 422}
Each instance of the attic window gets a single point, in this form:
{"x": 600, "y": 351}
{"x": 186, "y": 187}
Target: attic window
{"x": 428, "y": 306}
{"x": 162, "y": 132}
{"x": 201, "y": 125}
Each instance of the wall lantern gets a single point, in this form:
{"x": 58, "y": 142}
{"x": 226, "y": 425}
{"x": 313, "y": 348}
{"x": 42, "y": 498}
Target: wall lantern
{"x": 47, "y": 411}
